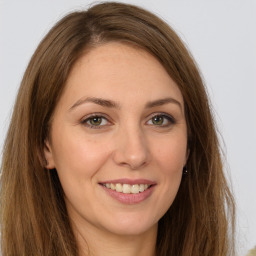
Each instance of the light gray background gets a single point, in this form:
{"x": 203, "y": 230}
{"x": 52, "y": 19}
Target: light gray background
{"x": 221, "y": 35}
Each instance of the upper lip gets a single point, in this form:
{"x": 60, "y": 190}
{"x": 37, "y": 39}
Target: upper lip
{"x": 129, "y": 181}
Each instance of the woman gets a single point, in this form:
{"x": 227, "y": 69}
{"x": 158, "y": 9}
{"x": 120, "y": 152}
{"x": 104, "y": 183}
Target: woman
{"x": 112, "y": 148}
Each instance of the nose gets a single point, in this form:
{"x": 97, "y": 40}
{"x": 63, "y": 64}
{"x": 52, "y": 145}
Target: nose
{"x": 131, "y": 149}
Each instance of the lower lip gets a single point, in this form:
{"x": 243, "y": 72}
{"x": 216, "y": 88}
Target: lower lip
{"x": 129, "y": 198}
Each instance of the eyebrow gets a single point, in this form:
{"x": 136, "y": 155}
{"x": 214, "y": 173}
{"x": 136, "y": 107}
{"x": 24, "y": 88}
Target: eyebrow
{"x": 112, "y": 104}
{"x": 161, "y": 102}
{"x": 98, "y": 101}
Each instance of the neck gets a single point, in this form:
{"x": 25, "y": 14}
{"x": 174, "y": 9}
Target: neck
{"x": 98, "y": 242}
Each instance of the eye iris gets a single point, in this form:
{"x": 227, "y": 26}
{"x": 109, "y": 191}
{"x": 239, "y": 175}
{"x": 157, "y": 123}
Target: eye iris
{"x": 158, "y": 120}
{"x": 96, "y": 120}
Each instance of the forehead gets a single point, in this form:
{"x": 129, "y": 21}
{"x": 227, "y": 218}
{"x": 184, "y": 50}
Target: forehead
{"x": 119, "y": 71}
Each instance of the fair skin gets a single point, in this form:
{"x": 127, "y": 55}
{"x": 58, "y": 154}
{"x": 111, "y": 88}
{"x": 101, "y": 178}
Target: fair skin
{"x": 120, "y": 120}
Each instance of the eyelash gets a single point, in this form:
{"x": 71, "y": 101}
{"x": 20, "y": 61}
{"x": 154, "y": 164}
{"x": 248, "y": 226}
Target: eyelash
{"x": 89, "y": 118}
{"x": 166, "y": 117}
{"x": 170, "y": 119}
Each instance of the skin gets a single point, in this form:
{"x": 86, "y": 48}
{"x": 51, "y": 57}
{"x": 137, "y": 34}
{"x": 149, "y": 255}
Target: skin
{"x": 127, "y": 143}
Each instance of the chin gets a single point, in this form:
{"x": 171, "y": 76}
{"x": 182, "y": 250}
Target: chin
{"x": 127, "y": 226}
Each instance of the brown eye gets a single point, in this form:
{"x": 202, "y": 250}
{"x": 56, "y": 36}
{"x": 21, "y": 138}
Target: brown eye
{"x": 158, "y": 120}
{"x": 95, "y": 121}
{"x": 161, "y": 120}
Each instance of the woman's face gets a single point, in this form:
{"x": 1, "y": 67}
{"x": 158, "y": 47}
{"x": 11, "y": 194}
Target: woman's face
{"x": 118, "y": 140}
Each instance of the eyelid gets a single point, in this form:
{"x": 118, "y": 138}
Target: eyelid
{"x": 169, "y": 117}
{"x": 84, "y": 120}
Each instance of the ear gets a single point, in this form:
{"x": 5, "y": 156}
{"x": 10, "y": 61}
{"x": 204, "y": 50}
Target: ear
{"x": 49, "y": 160}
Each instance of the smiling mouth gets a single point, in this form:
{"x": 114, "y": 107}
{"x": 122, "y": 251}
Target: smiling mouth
{"x": 127, "y": 188}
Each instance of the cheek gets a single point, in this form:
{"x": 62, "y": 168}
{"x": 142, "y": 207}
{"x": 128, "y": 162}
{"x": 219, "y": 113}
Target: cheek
{"x": 170, "y": 159}
{"x": 78, "y": 160}
{"x": 76, "y": 155}
{"x": 171, "y": 154}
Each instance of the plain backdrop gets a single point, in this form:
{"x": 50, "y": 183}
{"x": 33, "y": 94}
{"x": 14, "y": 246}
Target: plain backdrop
{"x": 221, "y": 35}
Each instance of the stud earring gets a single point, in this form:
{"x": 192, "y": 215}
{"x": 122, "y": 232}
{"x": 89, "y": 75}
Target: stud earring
{"x": 185, "y": 170}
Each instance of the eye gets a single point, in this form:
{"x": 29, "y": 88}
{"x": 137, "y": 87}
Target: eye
{"x": 95, "y": 121}
{"x": 162, "y": 120}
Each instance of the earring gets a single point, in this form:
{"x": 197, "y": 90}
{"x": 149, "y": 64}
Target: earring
{"x": 185, "y": 170}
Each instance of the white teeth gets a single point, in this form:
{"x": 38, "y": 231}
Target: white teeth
{"x": 127, "y": 188}
{"x": 142, "y": 187}
{"x": 119, "y": 187}
{"x": 135, "y": 189}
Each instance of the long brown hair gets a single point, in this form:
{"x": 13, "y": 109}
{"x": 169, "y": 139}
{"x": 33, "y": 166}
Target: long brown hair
{"x": 34, "y": 219}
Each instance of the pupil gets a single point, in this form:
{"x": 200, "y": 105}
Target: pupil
{"x": 96, "y": 121}
{"x": 158, "y": 120}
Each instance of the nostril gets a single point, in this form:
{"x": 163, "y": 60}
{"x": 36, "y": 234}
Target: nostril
{"x": 131, "y": 150}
